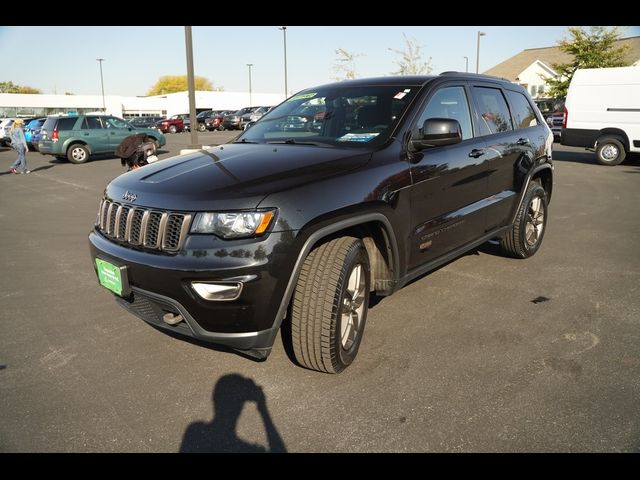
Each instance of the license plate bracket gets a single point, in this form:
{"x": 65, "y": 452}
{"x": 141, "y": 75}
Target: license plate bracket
{"x": 113, "y": 277}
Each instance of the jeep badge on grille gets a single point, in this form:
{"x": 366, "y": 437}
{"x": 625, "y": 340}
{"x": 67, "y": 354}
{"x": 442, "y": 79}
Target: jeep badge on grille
{"x": 129, "y": 196}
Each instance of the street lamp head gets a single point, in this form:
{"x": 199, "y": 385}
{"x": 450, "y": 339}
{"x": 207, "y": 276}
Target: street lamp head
{"x": 282, "y": 28}
{"x": 481, "y": 34}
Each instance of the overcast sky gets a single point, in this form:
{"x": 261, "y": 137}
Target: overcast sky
{"x": 135, "y": 57}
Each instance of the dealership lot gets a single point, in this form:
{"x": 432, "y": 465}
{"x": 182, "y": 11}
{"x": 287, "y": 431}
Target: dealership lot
{"x": 484, "y": 354}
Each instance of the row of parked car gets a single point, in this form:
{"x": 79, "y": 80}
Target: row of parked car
{"x": 76, "y": 137}
{"x": 210, "y": 120}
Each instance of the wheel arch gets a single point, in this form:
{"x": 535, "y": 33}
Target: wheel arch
{"x": 614, "y": 132}
{"x": 76, "y": 141}
{"x": 377, "y": 233}
{"x": 544, "y": 173}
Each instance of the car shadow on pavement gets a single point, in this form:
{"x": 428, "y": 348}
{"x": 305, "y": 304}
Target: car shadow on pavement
{"x": 230, "y": 394}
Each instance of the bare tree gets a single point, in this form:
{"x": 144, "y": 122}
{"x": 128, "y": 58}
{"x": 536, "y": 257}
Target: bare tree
{"x": 345, "y": 65}
{"x": 410, "y": 62}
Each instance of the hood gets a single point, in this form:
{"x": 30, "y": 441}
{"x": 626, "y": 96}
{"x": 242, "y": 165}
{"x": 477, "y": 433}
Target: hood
{"x": 232, "y": 176}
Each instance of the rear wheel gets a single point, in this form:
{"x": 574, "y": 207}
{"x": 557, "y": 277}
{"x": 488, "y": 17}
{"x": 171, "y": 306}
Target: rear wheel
{"x": 610, "y": 151}
{"x": 78, "y": 153}
{"x": 527, "y": 231}
{"x": 202, "y": 127}
{"x": 330, "y": 303}
{"x": 173, "y": 129}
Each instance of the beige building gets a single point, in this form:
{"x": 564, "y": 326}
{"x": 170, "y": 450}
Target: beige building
{"x": 531, "y": 67}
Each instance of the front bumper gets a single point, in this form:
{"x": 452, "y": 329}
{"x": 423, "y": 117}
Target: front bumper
{"x": 160, "y": 284}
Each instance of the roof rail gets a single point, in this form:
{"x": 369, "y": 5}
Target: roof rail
{"x": 473, "y": 75}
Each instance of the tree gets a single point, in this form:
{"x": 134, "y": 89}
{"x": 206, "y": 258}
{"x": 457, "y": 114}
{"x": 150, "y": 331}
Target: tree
{"x": 178, "y": 83}
{"x": 345, "y": 64}
{"x": 410, "y": 62}
{"x": 594, "y": 49}
{"x": 10, "y": 87}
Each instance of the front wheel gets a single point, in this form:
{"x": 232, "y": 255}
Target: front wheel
{"x": 527, "y": 231}
{"x": 330, "y": 304}
{"x": 610, "y": 151}
{"x": 202, "y": 127}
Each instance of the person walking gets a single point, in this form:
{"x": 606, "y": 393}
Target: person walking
{"x": 19, "y": 143}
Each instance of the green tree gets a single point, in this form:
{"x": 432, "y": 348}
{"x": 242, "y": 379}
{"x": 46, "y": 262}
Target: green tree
{"x": 178, "y": 83}
{"x": 345, "y": 65}
{"x": 10, "y": 87}
{"x": 410, "y": 62}
{"x": 593, "y": 49}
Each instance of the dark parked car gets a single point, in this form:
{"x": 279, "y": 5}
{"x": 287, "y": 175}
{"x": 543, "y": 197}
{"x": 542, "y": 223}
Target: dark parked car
{"x": 402, "y": 175}
{"x": 145, "y": 122}
{"x": 235, "y": 121}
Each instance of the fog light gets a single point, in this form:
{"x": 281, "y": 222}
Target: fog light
{"x": 220, "y": 292}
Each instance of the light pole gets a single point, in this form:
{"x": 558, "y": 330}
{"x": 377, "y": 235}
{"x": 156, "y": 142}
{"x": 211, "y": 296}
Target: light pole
{"x": 250, "y": 100}
{"x": 480, "y": 34}
{"x": 466, "y": 64}
{"x": 100, "y": 60}
{"x": 286, "y": 90}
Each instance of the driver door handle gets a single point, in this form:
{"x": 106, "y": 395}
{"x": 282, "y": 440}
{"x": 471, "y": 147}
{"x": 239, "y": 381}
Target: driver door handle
{"x": 477, "y": 152}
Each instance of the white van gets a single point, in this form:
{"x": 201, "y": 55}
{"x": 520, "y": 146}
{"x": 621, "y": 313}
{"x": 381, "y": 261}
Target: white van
{"x": 602, "y": 112}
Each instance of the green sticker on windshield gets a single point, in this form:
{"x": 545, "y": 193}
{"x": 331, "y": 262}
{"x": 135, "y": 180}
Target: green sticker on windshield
{"x": 302, "y": 96}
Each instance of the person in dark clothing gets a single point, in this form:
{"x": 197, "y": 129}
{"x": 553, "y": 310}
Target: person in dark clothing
{"x": 134, "y": 151}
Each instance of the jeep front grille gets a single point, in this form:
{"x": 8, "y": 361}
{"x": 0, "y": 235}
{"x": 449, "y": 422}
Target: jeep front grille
{"x": 143, "y": 227}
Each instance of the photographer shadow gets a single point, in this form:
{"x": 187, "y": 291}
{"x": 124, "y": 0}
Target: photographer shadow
{"x": 229, "y": 396}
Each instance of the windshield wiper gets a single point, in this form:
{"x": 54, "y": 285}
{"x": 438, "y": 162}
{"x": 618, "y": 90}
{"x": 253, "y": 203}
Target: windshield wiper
{"x": 291, "y": 141}
{"x": 244, "y": 140}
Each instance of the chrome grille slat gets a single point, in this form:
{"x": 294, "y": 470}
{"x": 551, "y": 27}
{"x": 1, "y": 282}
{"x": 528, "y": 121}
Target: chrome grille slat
{"x": 141, "y": 227}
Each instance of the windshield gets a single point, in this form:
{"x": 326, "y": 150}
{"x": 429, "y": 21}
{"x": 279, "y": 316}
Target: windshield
{"x": 355, "y": 116}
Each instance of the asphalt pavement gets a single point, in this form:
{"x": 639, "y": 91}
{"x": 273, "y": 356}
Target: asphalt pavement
{"x": 487, "y": 354}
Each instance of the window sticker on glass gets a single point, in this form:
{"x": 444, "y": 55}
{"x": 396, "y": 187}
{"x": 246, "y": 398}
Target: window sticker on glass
{"x": 358, "y": 137}
{"x": 407, "y": 90}
{"x": 399, "y": 95}
{"x": 302, "y": 96}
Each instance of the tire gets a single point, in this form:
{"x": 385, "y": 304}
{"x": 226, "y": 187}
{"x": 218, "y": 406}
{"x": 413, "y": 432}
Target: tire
{"x": 172, "y": 129}
{"x": 334, "y": 277}
{"x": 221, "y": 128}
{"x": 202, "y": 127}
{"x": 527, "y": 231}
{"x": 78, "y": 153}
{"x": 610, "y": 151}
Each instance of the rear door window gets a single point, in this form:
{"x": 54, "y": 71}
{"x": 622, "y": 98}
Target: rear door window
{"x": 92, "y": 123}
{"x": 493, "y": 110}
{"x": 522, "y": 111}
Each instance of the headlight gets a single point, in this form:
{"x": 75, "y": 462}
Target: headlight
{"x": 233, "y": 224}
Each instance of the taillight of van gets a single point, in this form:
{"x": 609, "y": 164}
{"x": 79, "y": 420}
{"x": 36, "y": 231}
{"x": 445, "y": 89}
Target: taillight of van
{"x": 565, "y": 117}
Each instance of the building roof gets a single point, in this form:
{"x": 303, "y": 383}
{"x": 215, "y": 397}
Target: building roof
{"x": 513, "y": 66}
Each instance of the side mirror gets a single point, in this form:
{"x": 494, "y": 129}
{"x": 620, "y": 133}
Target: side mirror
{"x": 437, "y": 132}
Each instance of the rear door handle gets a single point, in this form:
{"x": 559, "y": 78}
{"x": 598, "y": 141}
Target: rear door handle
{"x": 477, "y": 152}
{"x": 523, "y": 141}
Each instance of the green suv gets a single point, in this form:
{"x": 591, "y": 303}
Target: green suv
{"x": 78, "y": 137}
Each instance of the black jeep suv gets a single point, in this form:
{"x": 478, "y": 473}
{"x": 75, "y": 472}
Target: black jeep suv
{"x": 396, "y": 177}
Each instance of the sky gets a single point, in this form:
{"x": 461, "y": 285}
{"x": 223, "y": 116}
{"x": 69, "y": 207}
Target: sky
{"x": 137, "y": 56}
